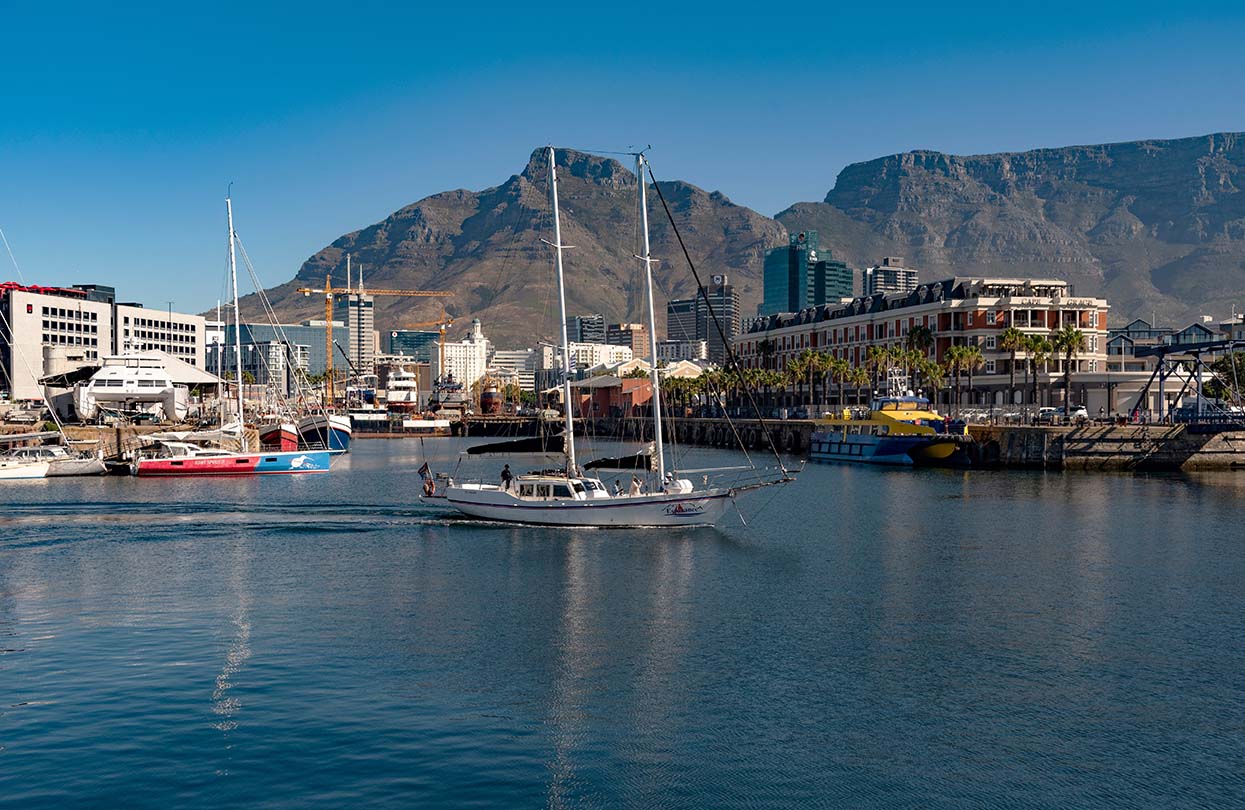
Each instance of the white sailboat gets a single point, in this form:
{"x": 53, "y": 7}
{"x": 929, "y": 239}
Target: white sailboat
{"x": 571, "y": 498}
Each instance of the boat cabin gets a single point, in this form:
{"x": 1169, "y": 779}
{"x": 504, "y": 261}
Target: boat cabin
{"x": 548, "y": 487}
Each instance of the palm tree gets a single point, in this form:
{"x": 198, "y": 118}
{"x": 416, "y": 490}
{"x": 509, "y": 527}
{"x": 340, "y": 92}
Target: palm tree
{"x": 1012, "y": 340}
{"x": 952, "y": 361}
{"x": 1039, "y": 352}
{"x": 876, "y": 358}
{"x": 920, "y": 339}
{"x": 858, "y": 377}
{"x": 804, "y": 367}
{"x": 838, "y": 370}
{"x": 1070, "y": 342}
{"x": 973, "y": 359}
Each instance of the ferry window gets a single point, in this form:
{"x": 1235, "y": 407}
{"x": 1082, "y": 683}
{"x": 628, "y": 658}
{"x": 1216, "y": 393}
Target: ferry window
{"x": 578, "y": 487}
{"x": 525, "y": 490}
{"x": 545, "y": 490}
{"x": 561, "y": 491}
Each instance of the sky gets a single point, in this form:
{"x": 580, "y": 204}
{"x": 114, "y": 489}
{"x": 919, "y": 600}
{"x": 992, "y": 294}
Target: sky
{"x": 121, "y": 130}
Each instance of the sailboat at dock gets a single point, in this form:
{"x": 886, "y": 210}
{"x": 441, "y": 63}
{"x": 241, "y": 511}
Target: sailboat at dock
{"x": 185, "y": 458}
{"x": 570, "y": 497}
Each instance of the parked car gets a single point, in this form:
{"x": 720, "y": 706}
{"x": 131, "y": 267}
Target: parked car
{"x": 1047, "y": 415}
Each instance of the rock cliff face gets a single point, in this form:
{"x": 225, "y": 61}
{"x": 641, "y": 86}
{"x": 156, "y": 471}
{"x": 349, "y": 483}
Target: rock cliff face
{"x": 486, "y": 247}
{"x": 1154, "y": 225}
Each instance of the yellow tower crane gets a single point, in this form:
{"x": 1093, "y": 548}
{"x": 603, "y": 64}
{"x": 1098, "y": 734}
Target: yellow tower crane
{"x": 330, "y": 293}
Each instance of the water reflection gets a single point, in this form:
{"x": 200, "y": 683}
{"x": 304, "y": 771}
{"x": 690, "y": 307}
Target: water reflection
{"x": 225, "y": 704}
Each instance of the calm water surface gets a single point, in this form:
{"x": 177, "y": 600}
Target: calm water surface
{"x": 874, "y": 638}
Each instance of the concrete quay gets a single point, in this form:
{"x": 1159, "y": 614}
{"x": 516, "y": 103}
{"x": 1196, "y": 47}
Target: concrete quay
{"x": 1087, "y": 447}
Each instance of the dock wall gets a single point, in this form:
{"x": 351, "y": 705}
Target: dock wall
{"x": 1090, "y": 447}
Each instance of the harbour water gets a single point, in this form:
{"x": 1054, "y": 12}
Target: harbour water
{"x": 874, "y": 638}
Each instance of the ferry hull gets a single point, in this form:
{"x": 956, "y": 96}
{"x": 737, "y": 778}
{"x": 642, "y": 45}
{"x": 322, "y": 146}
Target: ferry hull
{"x": 275, "y": 463}
{"x": 897, "y": 450}
{"x": 490, "y": 503}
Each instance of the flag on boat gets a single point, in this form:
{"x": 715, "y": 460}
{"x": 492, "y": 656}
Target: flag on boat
{"x": 423, "y": 471}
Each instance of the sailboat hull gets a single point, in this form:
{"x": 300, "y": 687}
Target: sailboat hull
{"x": 23, "y": 470}
{"x": 276, "y": 463}
{"x": 491, "y": 503}
{"x": 330, "y": 433}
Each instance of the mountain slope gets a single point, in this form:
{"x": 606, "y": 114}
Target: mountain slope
{"x": 1154, "y": 225}
{"x": 485, "y": 247}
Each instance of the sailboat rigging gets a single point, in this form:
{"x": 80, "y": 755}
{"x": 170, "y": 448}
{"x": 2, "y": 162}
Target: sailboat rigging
{"x": 569, "y": 497}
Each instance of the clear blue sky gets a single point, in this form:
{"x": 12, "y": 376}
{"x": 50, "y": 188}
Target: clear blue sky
{"x": 120, "y": 130}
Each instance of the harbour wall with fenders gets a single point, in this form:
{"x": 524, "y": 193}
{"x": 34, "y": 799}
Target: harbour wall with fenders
{"x": 1087, "y": 447}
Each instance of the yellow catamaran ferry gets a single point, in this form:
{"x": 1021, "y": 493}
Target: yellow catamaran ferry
{"x": 900, "y": 430}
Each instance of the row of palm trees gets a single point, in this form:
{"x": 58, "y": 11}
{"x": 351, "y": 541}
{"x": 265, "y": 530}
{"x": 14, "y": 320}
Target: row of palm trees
{"x": 811, "y": 369}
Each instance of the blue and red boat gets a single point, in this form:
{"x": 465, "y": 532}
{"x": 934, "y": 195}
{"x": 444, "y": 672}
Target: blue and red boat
{"x": 186, "y": 459}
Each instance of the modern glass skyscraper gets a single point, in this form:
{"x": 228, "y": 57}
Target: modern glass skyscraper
{"x": 799, "y": 276}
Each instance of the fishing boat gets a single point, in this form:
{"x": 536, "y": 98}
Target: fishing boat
{"x": 179, "y": 456}
{"x": 61, "y": 461}
{"x": 568, "y": 497}
{"x": 899, "y": 430}
{"x": 325, "y": 431}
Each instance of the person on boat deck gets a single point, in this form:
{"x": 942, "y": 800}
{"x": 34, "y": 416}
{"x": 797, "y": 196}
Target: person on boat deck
{"x": 636, "y": 487}
{"x": 618, "y": 490}
{"x": 506, "y": 477}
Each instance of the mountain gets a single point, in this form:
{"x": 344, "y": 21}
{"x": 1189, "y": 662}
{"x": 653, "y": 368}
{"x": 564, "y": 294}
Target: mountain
{"x": 1156, "y": 226}
{"x": 486, "y": 247}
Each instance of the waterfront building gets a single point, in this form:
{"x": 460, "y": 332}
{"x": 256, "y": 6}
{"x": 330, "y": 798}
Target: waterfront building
{"x": 632, "y": 335}
{"x": 138, "y": 329}
{"x": 671, "y": 351}
{"x": 84, "y": 320}
{"x": 889, "y": 277}
{"x": 271, "y": 363}
{"x": 1233, "y": 328}
{"x": 1123, "y": 342}
{"x": 681, "y": 319}
{"x": 519, "y": 362}
{"x": 693, "y": 318}
{"x": 466, "y": 359}
{"x": 586, "y": 328}
{"x": 957, "y": 312}
{"x": 548, "y": 372}
{"x": 416, "y": 344}
{"x": 799, "y": 276}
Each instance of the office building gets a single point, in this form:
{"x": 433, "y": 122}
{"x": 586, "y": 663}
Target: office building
{"x": 83, "y": 321}
{"x": 519, "y": 362}
{"x": 583, "y": 355}
{"x": 693, "y": 318}
{"x": 681, "y": 319}
{"x": 586, "y": 328}
{"x": 632, "y": 335}
{"x": 308, "y": 333}
{"x": 799, "y": 276}
{"x": 417, "y": 345}
{"x": 889, "y": 277}
{"x": 672, "y": 351}
{"x": 360, "y": 323}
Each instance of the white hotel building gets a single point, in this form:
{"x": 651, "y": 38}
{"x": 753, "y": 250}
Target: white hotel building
{"x": 957, "y": 311}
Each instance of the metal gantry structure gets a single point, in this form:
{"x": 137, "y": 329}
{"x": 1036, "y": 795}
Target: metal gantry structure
{"x": 331, "y": 293}
{"x": 1187, "y": 364}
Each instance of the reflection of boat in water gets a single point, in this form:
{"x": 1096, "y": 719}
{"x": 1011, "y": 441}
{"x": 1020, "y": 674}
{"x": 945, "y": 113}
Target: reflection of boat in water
{"x": 898, "y": 430}
{"x": 325, "y": 431}
{"x": 186, "y": 459}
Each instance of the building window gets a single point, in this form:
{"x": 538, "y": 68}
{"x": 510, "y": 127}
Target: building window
{"x": 989, "y": 366}
{"x": 990, "y": 344}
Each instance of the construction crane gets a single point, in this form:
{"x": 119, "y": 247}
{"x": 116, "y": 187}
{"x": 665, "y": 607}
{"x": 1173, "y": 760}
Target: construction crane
{"x": 330, "y": 293}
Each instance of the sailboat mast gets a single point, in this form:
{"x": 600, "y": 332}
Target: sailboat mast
{"x": 566, "y": 344}
{"x": 237, "y": 325}
{"x": 652, "y": 321}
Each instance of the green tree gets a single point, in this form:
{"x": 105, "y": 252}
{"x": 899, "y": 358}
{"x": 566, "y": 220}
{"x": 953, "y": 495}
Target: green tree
{"x": 1012, "y": 340}
{"x": 973, "y": 359}
{"x": 1040, "y": 351}
{"x": 637, "y": 374}
{"x": 1228, "y": 380}
{"x": 954, "y": 362}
